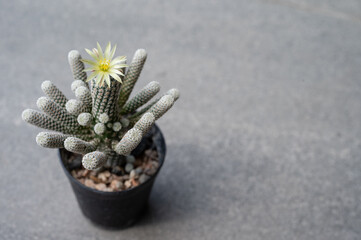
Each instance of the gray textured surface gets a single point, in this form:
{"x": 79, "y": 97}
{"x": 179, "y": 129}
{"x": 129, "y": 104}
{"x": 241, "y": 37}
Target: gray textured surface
{"x": 265, "y": 142}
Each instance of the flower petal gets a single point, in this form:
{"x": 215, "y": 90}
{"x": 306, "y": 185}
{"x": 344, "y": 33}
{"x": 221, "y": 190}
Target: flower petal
{"x": 89, "y": 69}
{"x": 119, "y": 59}
{"x": 117, "y": 65}
{"x": 92, "y": 54}
{"x": 98, "y": 70}
{"x": 116, "y": 72}
{"x": 107, "y": 79}
{"x": 100, "y": 78}
{"x": 116, "y": 77}
{"x": 89, "y": 62}
{"x": 107, "y": 51}
{"x": 91, "y": 76}
{"x": 112, "y": 52}
{"x": 100, "y": 51}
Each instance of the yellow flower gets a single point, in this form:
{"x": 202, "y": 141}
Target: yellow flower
{"x": 103, "y": 67}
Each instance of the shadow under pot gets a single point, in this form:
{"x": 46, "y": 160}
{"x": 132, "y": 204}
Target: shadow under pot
{"x": 116, "y": 209}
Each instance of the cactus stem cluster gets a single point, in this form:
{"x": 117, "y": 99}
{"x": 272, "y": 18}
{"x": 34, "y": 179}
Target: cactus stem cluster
{"x": 101, "y": 122}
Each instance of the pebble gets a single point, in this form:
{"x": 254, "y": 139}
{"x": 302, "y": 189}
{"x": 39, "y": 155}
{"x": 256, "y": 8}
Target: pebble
{"x": 129, "y": 167}
{"x": 134, "y": 182}
{"x": 128, "y": 184}
{"x": 74, "y": 164}
{"x": 116, "y": 185}
{"x": 117, "y": 170}
{"x": 138, "y": 170}
{"x": 107, "y": 174}
{"x": 95, "y": 179}
{"x": 130, "y": 159}
{"x": 152, "y": 154}
{"x": 143, "y": 178}
{"x": 133, "y": 174}
{"x": 115, "y": 177}
{"x": 85, "y": 173}
{"x": 89, "y": 183}
{"x": 151, "y": 171}
{"x": 102, "y": 177}
{"x": 148, "y": 152}
{"x": 100, "y": 186}
{"x": 79, "y": 174}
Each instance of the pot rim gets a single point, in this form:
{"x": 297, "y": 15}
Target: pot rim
{"x": 161, "y": 145}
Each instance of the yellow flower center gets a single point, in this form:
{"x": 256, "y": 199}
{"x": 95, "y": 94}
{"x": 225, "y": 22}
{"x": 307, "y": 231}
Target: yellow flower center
{"x": 104, "y": 64}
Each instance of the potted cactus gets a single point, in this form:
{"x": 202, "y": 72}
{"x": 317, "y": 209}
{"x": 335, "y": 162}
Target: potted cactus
{"x": 110, "y": 150}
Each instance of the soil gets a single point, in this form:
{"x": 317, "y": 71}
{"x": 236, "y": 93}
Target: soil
{"x": 136, "y": 171}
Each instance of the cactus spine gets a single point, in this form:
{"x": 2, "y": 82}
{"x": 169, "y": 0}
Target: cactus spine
{"x": 101, "y": 123}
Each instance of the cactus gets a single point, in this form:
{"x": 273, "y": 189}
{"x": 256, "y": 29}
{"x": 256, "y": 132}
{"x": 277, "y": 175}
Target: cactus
{"x": 102, "y": 123}
{"x": 141, "y": 98}
{"x": 76, "y": 65}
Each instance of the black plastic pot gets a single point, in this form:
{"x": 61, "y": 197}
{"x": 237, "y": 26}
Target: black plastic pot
{"x": 115, "y": 209}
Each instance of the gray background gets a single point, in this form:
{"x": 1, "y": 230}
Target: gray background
{"x": 264, "y": 142}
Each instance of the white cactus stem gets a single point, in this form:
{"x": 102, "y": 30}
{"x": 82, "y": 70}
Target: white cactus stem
{"x": 51, "y": 140}
{"x": 77, "y": 145}
{"x": 100, "y": 123}
{"x": 54, "y": 93}
{"x": 77, "y": 83}
{"x": 75, "y": 107}
{"x": 132, "y": 75}
{"x": 117, "y": 126}
{"x": 103, "y": 118}
{"x": 43, "y": 121}
{"x": 85, "y": 119}
{"x": 145, "y": 123}
{"x": 83, "y": 94}
{"x": 94, "y": 160}
{"x": 57, "y": 112}
{"x": 76, "y": 65}
{"x": 162, "y": 106}
{"x": 99, "y": 128}
{"x": 142, "y": 97}
{"x": 129, "y": 142}
{"x": 174, "y": 93}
